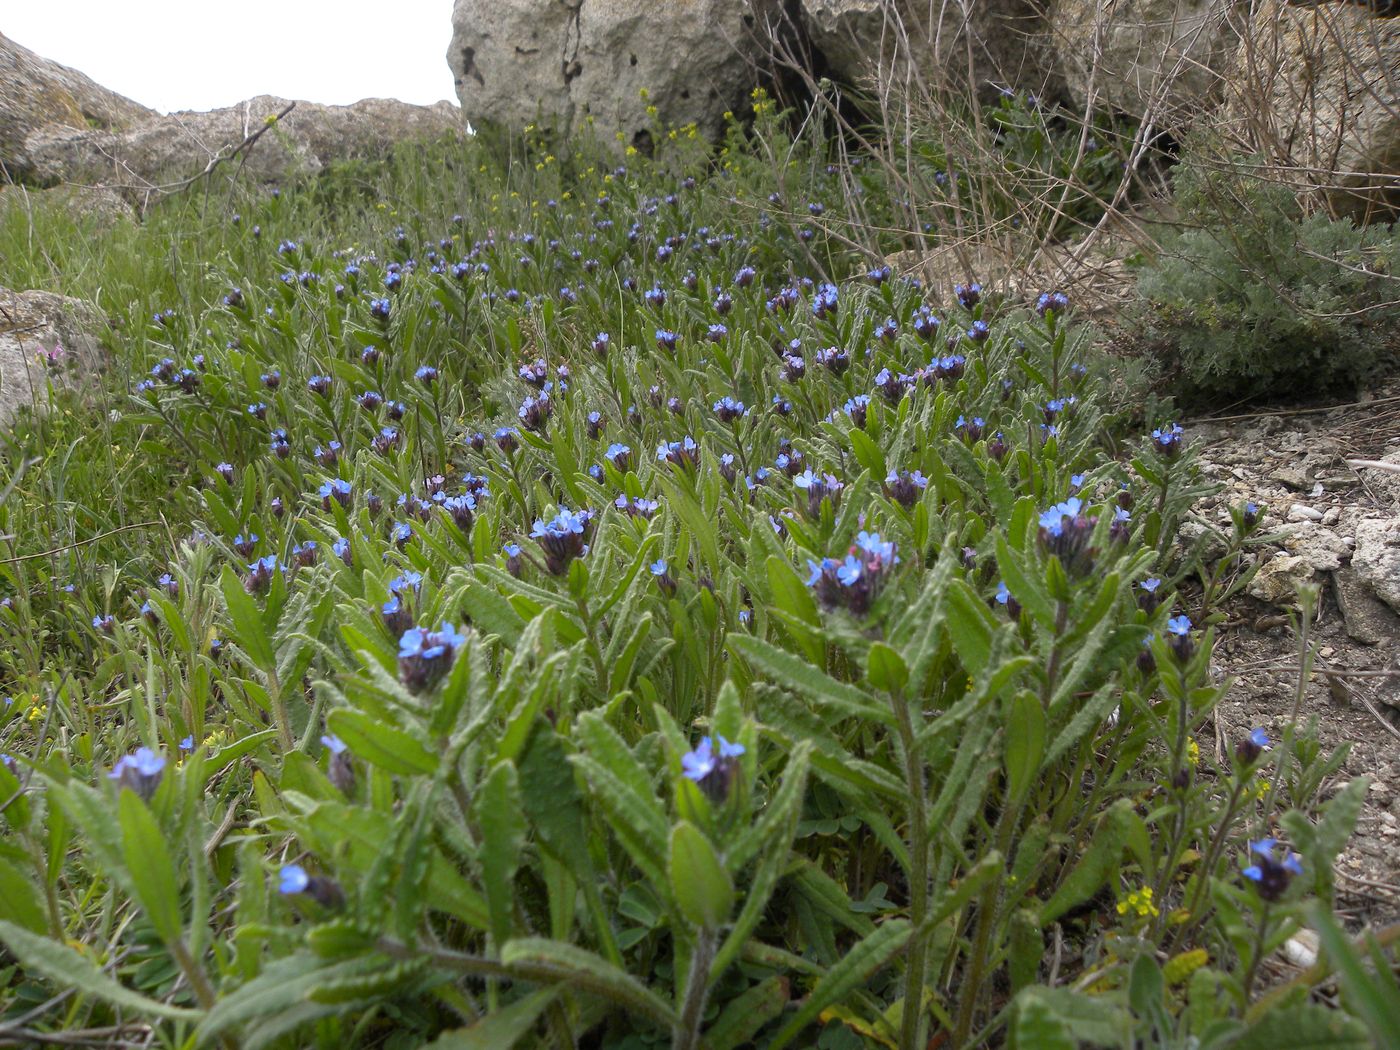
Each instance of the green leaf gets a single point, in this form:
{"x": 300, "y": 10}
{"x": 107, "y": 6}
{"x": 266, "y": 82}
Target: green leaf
{"x": 68, "y": 969}
{"x": 381, "y": 744}
{"x": 796, "y": 674}
{"x": 1044, "y": 1018}
{"x": 868, "y": 453}
{"x": 970, "y": 626}
{"x": 1096, "y": 865}
{"x": 538, "y": 959}
{"x": 855, "y": 967}
{"x": 746, "y": 1013}
{"x": 1025, "y": 949}
{"x": 500, "y": 1029}
{"x": 19, "y": 899}
{"x": 151, "y": 868}
{"x": 885, "y": 668}
{"x": 1371, "y": 993}
{"x": 1305, "y": 1026}
{"x": 502, "y": 822}
{"x": 1024, "y": 586}
{"x": 1025, "y": 744}
{"x": 703, "y": 890}
{"x": 247, "y": 622}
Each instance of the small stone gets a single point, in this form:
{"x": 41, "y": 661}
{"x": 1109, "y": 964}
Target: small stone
{"x": 1302, "y": 512}
{"x": 1279, "y": 578}
{"x": 1332, "y": 516}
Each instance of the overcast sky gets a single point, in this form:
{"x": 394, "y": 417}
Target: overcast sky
{"x": 198, "y": 54}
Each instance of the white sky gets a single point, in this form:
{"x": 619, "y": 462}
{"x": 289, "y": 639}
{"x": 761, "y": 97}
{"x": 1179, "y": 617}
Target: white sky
{"x": 201, "y": 54}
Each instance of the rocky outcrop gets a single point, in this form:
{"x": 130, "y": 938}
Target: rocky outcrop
{"x": 37, "y": 93}
{"x": 1164, "y": 57}
{"x": 561, "y": 62}
{"x": 164, "y": 150}
{"x": 992, "y": 44}
{"x": 1318, "y": 92}
{"x": 96, "y": 206}
{"x": 44, "y": 338}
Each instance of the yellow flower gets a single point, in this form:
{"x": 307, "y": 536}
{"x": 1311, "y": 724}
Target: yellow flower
{"x": 651, "y": 111}
{"x": 1193, "y": 753}
{"x": 1139, "y": 903}
{"x": 631, "y": 151}
{"x": 728, "y": 114}
{"x": 643, "y": 93}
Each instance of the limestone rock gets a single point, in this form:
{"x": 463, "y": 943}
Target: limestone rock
{"x": 1322, "y": 96}
{"x": 561, "y": 61}
{"x": 1279, "y": 578}
{"x": 1135, "y": 56}
{"x": 36, "y": 93}
{"x": 43, "y": 338}
{"x": 163, "y": 150}
{"x": 97, "y": 205}
{"x": 1377, "y": 558}
{"x": 1003, "y": 41}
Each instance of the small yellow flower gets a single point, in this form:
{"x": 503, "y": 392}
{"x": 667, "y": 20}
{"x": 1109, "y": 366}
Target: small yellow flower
{"x": 631, "y": 151}
{"x": 1193, "y": 753}
{"x": 539, "y": 167}
{"x": 1139, "y": 903}
{"x": 644, "y": 94}
{"x": 728, "y": 114}
{"x": 651, "y": 111}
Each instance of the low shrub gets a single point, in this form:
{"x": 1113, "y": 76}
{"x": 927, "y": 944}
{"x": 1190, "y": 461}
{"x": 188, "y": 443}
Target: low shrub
{"x": 1255, "y": 298}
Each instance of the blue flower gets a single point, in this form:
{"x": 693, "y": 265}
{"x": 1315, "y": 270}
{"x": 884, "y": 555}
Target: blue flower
{"x": 187, "y": 744}
{"x": 712, "y": 770}
{"x": 658, "y": 567}
{"x": 293, "y": 880}
{"x": 139, "y": 771}
{"x": 333, "y": 743}
{"x": 1179, "y": 626}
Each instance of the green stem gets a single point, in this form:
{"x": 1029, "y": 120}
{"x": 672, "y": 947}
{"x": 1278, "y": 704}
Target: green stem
{"x": 686, "y": 1034}
{"x": 918, "y": 875}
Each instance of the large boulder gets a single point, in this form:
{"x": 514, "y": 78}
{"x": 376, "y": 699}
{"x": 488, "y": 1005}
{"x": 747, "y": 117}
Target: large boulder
{"x": 561, "y": 62}
{"x": 44, "y": 338}
{"x": 1166, "y": 58}
{"x": 164, "y": 150}
{"x": 1318, "y": 93}
{"x": 992, "y": 45}
{"x": 36, "y": 93}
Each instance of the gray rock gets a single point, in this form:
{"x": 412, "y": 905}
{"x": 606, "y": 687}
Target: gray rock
{"x": 1167, "y": 56}
{"x": 1377, "y": 558}
{"x": 1323, "y": 100}
{"x": 44, "y": 338}
{"x": 163, "y": 150}
{"x": 1367, "y": 619}
{"x": 1279, "y": 578}
{"x": 96, "y": 205}
{"x": 561, "y": 62}
{"x": 1323, "y": 548}
{"x": 36, "y": 93}
{"x": 1000, "y": 43}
